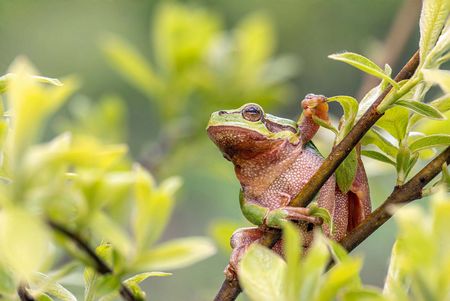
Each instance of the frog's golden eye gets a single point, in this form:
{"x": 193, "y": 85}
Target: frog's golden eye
{"x": 252, "y": 113}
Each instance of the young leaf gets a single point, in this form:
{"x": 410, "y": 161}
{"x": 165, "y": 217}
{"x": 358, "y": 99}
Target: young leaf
{"x": 375, "y": 137}
{"x": 440, "y": 77}
{"x": 373, "y": 94}
{"x": 403, "y": 163}
{"x": 350, "y": 107}
{"x": 325, "y": 124}
{"x": 292, "y": 244}
{"x": 339, "y": 278}
{"x": 261, "y": 274}
{"x": 429, "y": 142}
{"x": 131, "y": 65}
{"x": 133, "y": 282}
{"x": 20, "y": 233}
{"x": 48, "y": 285}
{"x": 364, "y": 64}
{"x": 420, "y": 108}
{"x": 346, "y": 172}
{"x": 395, "y": 122}
{"x": 378, "y": 156}
{"x": 108, "y": 230}
{"x": 432, "y": 19}
{"x": 176, "y": 253}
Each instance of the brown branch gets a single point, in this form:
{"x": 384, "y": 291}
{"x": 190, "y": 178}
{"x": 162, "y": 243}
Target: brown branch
{"x": 23, "y": 293}
{"x": 406, "y": 193}
{"x": 100, "y": 265}
{"x": 230, "y": 288}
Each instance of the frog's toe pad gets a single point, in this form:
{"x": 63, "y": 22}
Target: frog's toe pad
{"x": 315, "y": 105}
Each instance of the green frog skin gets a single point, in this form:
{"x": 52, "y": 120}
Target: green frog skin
{"x": 273, "y": 159}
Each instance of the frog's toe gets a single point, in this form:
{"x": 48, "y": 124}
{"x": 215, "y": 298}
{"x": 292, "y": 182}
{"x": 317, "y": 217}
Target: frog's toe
{"x": 315, "y": 105}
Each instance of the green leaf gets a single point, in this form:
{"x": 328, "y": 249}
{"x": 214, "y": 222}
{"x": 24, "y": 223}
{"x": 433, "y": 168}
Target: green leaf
{"x": 312, "y": 267}
{"x": 363, "y": 64}
{"x": 133, "y": 282}
{"x": 292, "y": 252}
{"x": 339, "y": 278}
{"x": 31, "y": 103}
{"x": 132, "y": 65}
{"x": 48, "y": 285}
{"x": 153, "y": 207}
{"x": 21, "y": 232}
{"x": 109, "y": 231}
{"x": 395, "y": 121}
{"x": 176, "y": 253}
{"x": 429, "y": 142}
{"x": 375, "y": 137}
{"x": 337, "y": 251}
{"x": 365, "y": 295}
{"x": 403, "y": 163}
{"x": 440, "y": 77}
{"x": 373, "y": 94}
{"x": 432, "y": 19}
{"x": 221, "y": 231}
{"x": 350, "y": 107}
{"x": 378, "y": 156}
{"x": 142, "y": 276}
{"x": 325, "y": 124}
{"x": 420, "y": 108}
{"x": 4, "y": 81}
{"x": 345, "y": 173}
{"x": 322, "y": 213}
{"x": 261, "y": 274}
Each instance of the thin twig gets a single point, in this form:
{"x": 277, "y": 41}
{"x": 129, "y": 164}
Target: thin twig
{"x": 230, "y": 288}
{"x": 100, "y": 265}
{"x": 23, "y": 293}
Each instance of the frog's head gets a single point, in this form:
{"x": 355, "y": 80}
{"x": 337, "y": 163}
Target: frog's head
{"x": 247, "y": 132}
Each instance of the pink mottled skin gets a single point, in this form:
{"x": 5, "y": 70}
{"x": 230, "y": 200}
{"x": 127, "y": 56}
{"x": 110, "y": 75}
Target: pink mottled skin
{"x": 273, "y": 169}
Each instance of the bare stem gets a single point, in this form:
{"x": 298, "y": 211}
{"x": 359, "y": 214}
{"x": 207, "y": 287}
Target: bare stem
{"x": 230, "y": 288}
{"x": 100, "y": 265}
{"x": 23, "y": 293}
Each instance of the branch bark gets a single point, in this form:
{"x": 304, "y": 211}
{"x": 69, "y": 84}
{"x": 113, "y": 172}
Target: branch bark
{"x": 23, "y": 293}
{"x": 406, "y": 193}
{"x": 100, "y": 265}
{"x": 230, "y": 289}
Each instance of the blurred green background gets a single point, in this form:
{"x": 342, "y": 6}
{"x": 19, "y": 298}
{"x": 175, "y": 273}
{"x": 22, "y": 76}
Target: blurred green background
{"x": 189, "y": 58}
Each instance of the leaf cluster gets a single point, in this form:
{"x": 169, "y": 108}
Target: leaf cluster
{"x": 86, "y": 187}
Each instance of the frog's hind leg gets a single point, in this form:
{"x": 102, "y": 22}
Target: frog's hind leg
{"x": 358, "y": 196}
{"x": 240, "y": 241}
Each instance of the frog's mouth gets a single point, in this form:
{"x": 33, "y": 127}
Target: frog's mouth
{"x": 235, "y": 141}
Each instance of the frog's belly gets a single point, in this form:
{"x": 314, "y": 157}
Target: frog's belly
{"x": 288, "y": 184}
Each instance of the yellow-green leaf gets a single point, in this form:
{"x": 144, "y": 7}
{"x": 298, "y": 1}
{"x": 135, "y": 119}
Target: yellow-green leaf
{"x": 429, "y": 142}
{"x": 345, "y": 173}
{"x": 176, "y": 253}
{"x": 421, "y": 108}
{"x": 261, "y": 274}
{"x": 363, "y": 64}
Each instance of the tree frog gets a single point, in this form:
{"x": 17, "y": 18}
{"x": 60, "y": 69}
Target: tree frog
{"x": 273, "y": 159}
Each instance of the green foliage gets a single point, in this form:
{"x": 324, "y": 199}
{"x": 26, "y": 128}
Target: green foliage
{"x": 265, "y": 276}
{"x": 397, "y": 134}
{"x": 79, "y": 183}
{"x": 418, "y": 269}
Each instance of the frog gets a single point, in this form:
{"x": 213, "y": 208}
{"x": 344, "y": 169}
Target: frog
{"x": 273, "y": 159}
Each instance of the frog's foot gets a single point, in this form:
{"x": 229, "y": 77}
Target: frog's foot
{"x": 275, "y": 218}
{"x": 314, "y": 106}
{"x": 240, "y": 241}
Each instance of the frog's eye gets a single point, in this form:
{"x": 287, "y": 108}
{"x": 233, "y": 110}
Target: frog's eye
{"x": 252, "y": 113}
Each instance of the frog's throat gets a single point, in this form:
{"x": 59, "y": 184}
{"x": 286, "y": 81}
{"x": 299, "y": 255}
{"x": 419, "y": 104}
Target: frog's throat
{"x": 257, "y": 174}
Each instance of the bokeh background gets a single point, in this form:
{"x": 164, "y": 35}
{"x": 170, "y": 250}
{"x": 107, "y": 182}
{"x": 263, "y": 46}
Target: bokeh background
{"x": 153, "y": 71}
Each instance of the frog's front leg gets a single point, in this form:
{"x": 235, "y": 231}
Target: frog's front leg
{"x": 259, "y": 214}
{"x": 313, "y": 106}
